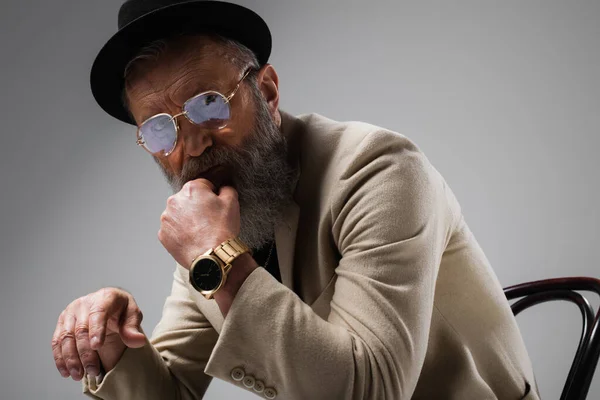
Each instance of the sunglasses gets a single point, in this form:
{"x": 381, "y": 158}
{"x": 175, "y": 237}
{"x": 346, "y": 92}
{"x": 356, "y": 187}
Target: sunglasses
{"x": 211, "y": 110}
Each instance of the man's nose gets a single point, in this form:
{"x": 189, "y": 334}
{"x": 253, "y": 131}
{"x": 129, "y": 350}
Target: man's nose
{"x": 195, "y": 139}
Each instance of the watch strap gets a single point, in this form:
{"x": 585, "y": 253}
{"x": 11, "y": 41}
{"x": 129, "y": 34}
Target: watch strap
{"x": 230, "y": 249}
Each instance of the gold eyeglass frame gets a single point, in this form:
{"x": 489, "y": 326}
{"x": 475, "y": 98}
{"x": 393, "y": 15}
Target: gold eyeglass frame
{"x": 140, "y": 141}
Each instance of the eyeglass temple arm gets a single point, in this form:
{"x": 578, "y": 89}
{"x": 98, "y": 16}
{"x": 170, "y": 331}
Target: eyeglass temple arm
{"x": 238, "y": 85}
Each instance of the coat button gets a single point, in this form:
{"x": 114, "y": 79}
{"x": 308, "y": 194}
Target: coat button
{"x": 270, "y": 393}
{"x": 259, "y": 386}
{"x": 248, "y": 381}
{"x": 237, "y": 374}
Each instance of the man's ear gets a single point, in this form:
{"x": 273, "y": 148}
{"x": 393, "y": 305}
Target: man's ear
{"x": 268, "y": 82}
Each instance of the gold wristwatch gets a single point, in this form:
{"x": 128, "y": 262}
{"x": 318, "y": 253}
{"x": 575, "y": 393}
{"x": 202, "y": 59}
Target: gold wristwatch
{"x": 208, "y": 272}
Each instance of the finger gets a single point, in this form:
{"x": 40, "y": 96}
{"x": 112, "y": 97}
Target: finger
{"x": 106, "y": 303}
{"x": 228, "y": 192}
{"x": 87, "y": 356}
{"x": 131, "y": 329}
{"x": 57, "y": 349}
{"x": 69, "y": 347}
{"x": 203, "y": 182}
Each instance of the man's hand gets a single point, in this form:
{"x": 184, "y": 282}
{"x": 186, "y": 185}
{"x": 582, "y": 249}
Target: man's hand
{"x": 196, "y": 220}
{"x": 96, "y": 328}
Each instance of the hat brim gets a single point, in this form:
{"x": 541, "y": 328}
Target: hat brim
{"x": 226, "y": 19}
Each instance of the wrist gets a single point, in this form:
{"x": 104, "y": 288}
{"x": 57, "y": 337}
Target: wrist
{"x": 193, "y": 252}
{"x": 241, "y": 268}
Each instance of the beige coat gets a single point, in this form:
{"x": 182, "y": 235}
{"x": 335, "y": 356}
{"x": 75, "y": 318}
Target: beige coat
{"x": 386, "y": 293}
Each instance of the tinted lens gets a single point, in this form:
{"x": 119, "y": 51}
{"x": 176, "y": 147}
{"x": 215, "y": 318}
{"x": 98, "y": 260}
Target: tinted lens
{"x": 210, "y": 110}
{"x": 159, "y": 134}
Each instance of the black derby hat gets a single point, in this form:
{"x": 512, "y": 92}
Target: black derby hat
{"x": 143, "y": 21}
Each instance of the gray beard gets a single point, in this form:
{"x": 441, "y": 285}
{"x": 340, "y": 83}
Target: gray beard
{"x": 260, "y": 172}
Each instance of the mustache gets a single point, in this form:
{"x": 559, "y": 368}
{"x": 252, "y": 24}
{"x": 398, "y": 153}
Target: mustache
{"x": 224, "y": 160}
{"x": 195, "y": 167}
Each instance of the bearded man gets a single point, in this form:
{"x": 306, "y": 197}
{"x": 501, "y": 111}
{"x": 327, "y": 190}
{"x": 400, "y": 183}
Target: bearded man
{"x": 315, "y": 259}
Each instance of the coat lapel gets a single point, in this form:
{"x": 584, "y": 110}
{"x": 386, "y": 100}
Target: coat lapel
{"x": 285, "y": 230}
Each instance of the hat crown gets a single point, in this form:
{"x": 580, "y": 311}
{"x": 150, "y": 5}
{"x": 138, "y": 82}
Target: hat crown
{"x": 133, "y": 9}
{"x": 140, "y": 22}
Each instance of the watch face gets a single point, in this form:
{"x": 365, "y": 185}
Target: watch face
{"x": 207, "y": 274}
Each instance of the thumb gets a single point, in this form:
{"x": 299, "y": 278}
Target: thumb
{"x": 228, "y": 192}
{"x": 131, "y": 331}
{"x": 133, "y": 337}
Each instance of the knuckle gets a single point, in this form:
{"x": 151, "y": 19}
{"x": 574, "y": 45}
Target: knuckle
{"x": 81, "y": 332}
{"x": 106, "y": 291}
{"x": 55, "y": 343}
{"x": 65, "y": 336}
{"x": 107, "y": 296}
{"x": 89, "y": 298}
{"x": 72, "y": 360}
{"x": 97, "y": 308}
{"x": 97, "y": 297}
{"x": 172, "y": 200}
{"x": 72, "y": 305}
{"x": 87, "y": 356}
{"x": 110, "y": 292}
{"x": 58, "y": 359}
{"x": 96, "y": 319}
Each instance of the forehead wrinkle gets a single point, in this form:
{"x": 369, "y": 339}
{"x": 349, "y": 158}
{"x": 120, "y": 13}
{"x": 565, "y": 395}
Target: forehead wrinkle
{"x": 178, "y": 74}
{"x": 146, "y": 98}
{"x": 187, "y": 84}
{"x": 158, "y": 73}
{"x": 142, "y": 87}
{"x": 155, "y": 96}
{"x": 173, "y": 77}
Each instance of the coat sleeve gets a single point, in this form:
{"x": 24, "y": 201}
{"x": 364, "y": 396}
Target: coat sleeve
{"x": 171, "y": 364}
{"x": 390, "y": 222}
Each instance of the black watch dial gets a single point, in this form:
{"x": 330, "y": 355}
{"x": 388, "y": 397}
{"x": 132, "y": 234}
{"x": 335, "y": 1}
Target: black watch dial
{"x": 207, "y": 274}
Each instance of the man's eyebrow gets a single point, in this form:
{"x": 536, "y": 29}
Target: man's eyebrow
{"x": 186, "y": 92}
{"x": 150, "y": 112}
{"x": 199, "y": 87}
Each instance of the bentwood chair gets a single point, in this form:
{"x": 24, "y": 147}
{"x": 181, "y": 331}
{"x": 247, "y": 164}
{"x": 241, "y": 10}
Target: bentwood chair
{"x": 586, "y": 357}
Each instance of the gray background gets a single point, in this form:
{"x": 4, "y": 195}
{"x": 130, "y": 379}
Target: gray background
{"x": 503, "y": 97}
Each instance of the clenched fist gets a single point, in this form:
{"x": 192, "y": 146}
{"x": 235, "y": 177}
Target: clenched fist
{"x": 96, "y": 329}
{"x": 196, "y": 220}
